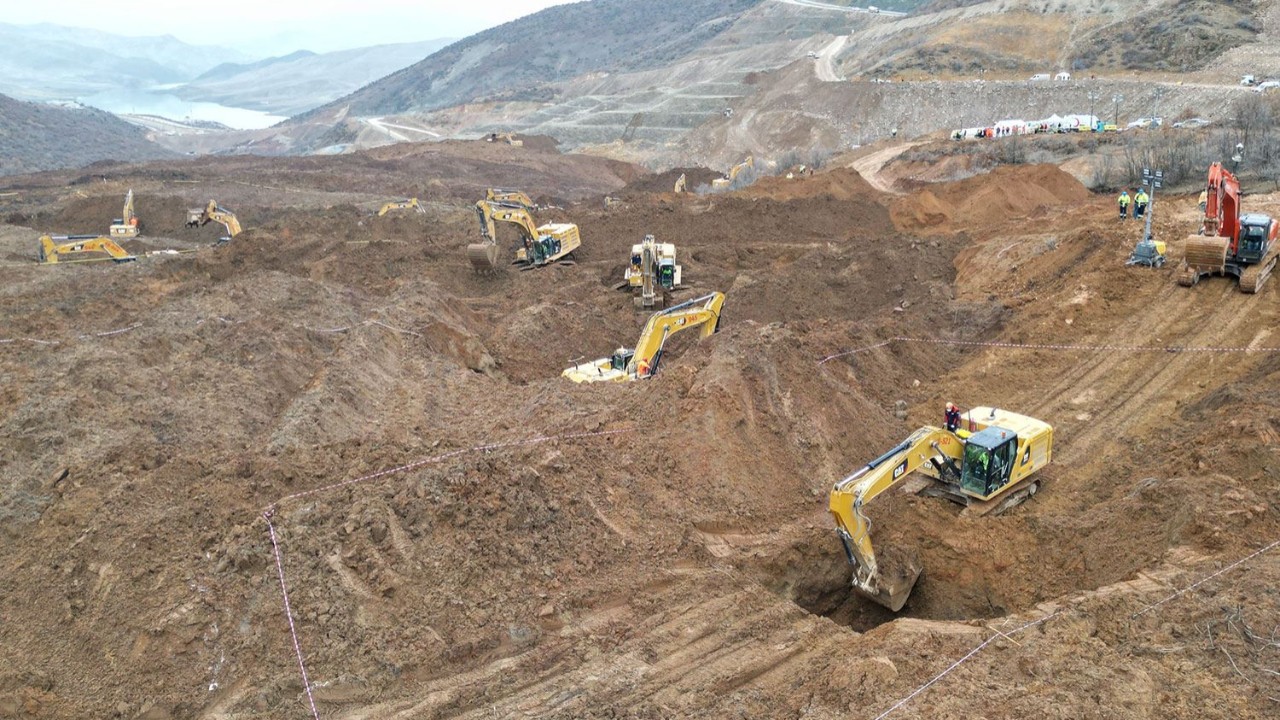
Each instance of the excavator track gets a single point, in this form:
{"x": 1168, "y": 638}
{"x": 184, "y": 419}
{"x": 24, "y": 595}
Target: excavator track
{"x": 483, "y": 256}
{"x": 1255, "y": 276}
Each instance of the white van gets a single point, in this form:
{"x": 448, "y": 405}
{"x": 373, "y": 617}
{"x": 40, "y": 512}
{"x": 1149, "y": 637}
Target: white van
{"x": 1039, "y": 76}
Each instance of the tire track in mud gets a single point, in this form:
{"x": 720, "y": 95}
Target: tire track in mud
{"x": 1132, "y": 384}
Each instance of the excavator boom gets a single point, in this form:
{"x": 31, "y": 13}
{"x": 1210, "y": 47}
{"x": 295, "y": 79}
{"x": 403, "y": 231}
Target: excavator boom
{"x": 410, "y": 204}
{"x": 52, "y": 252}
{"x": 212, "y": 212}
{"x": 127, "y": 225}
{"x": 643, "y": 361}
{"x": 988, "y": 467}
{"x": 1230, "y": 243}
{"x": 539, "y": 245}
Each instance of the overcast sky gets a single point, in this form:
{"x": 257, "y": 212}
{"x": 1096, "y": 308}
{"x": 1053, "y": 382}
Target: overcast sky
{"x": 274, "y": 27}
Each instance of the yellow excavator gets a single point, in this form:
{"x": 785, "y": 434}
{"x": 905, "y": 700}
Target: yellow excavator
{"x": 127, "y": 226}
{"x": 987, "y": 466}
{"x": 725, "y": 182}
{"x": 553, "y": 242}
{"x": 212, "y": 212}
{"x": 681, "y": 184}
{"x": 54, "y": 247}
{"x": 627, "y": 364}
{"x": 653, "y": 272}
{"x": 410, "y": 204}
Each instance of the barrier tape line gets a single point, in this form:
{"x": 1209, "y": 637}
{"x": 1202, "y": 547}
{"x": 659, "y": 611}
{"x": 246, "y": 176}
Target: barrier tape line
{"x": 964, "y": 659}
{"x": 269, "y": 512}
{"x": 288, "y": 613}
{"x": 1193, "y": 586}
{"x": 1055, "y": 346}
{"x": 999, "y": 634}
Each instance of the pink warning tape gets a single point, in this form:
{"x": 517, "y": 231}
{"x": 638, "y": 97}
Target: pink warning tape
{"x": 1056, "y": 346}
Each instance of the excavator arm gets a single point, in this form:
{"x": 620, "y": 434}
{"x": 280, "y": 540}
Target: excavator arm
{"x": 703, "y": 313}
{"x": 410, "y": 204}
{"x": 214, "y": 213}
{"x": 1230, "y": 243}
{"x": 888, "y": 583}
{"x": 510, "y": 196}
{"x": 484, "y": 256}
{"x": 51, "y": 252}
{"x": 642, "y": 362}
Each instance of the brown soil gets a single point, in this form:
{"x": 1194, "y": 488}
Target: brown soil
{"x": 683, "y": 568}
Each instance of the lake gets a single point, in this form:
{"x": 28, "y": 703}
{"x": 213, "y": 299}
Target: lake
{"x": 142, "y": 102}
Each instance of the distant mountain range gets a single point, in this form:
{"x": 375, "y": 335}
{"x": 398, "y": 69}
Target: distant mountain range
{"x": 52, "y": 62}
{"x": 39, "y": 136}
{"x": 302, "y": 80}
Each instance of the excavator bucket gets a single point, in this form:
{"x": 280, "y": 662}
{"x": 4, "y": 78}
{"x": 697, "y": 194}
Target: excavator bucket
{"x": 1203, "y": 254}
{"x": 483, "y": 256}
{"x": 896, "y": 574}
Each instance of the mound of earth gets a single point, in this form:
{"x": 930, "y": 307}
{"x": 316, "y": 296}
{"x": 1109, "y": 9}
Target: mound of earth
{"x": 336, "y": 402}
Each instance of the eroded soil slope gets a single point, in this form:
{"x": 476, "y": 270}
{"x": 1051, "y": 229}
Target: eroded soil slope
{"x": 674, "y": 557}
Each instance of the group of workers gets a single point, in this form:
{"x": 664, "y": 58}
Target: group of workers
{"x": 1140, "y": 200}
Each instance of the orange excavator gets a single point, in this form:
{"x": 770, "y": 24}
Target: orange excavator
{"x": 1230, "y": 243}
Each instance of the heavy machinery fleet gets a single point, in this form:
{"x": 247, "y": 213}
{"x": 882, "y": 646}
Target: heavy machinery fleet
{"x": 989, "y": 463}
{"x": 1230, "y": 243}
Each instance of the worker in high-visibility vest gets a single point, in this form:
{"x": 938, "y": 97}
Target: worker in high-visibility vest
{"x": 642, "y": 368}
{"x": 1124, "y": 204}
{"x": 1140, "y": 203}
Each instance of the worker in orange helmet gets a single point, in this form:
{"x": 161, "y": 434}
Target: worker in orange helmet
{"x": 642, "y": 368}
{"x": 952, "y": 417}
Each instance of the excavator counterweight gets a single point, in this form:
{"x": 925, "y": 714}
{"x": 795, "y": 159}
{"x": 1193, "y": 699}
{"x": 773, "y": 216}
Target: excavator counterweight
{"x": 988, "y": 466}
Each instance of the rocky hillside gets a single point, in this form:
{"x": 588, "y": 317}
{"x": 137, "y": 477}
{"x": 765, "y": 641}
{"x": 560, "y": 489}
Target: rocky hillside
{"x": 35, "y": 137}
{"x": 968, "y": 37}
{"x": 516, "y": 60}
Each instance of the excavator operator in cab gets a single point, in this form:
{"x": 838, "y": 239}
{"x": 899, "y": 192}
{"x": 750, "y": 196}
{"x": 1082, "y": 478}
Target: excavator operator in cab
{"x": 952, "y": 417}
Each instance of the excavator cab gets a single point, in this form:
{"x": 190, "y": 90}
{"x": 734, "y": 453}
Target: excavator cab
{"x": 1255, "y": 229}
{"x": 667, "y": 273}
{"x": 988, "y": 461}
{"x": 621, "y": 358}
